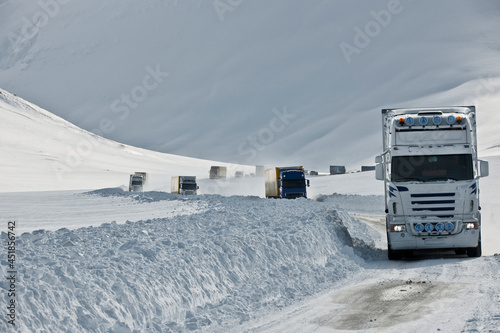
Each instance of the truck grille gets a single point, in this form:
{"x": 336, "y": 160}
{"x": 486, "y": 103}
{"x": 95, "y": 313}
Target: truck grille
{"x": 294, "y": 195}
{"x": 433, "y": 202}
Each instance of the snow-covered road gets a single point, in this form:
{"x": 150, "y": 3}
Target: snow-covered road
{"x": 438, "y": 295}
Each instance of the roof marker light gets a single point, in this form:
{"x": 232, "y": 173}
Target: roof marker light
{"x": 429, "y": 227}
{"x": 401, "y": 121}
{"x": 449, "y": 226}
{"x": 459, "y": 119}
{"x": 439, "y": 227}
{"x": 409, "y": 121}
{"x": 423, "y": 121}
{"x": 451, "y": 119}
{"x": 436, "y": 120}
{"x": 419, "y": 227}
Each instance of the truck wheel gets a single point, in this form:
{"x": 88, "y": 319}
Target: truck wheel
{"x": 475, "y": 252}
{"x": 393, "y": 254}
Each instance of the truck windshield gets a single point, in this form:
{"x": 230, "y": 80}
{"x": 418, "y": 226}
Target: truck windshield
{"x": 188, "y": 186}
{"x": 293, "y": 183}
{"x": 428, "y": 168}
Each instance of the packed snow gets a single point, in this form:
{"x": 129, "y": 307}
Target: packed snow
{"x": 219, "y": 266}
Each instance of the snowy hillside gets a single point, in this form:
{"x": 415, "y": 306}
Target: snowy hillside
{"x": 42, "y": 152}
{"x": 252, "y": 82}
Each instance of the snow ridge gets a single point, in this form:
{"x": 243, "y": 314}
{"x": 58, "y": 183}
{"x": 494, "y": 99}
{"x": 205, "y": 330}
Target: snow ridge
{"x": 206, "y": 271}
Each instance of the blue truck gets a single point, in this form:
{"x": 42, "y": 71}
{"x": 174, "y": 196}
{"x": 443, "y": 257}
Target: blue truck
{"x": 286, "y": 182}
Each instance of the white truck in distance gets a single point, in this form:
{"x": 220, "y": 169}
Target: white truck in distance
{"x": 184, "y": 185}
{"x": 431, "y": 173}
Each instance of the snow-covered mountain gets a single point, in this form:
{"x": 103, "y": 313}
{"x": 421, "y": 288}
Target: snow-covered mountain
{"x": 42, "y": 152}
{"x": 252, "y": 82}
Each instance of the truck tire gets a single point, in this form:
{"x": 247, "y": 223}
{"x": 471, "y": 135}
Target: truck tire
{"x": 393, "y": 254}
{"x": 475, "y": 252}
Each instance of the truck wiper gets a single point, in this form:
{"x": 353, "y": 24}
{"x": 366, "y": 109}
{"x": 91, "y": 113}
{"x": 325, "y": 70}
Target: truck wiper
{"x": 411, "y": 179}
{"x": 443, "y": 178}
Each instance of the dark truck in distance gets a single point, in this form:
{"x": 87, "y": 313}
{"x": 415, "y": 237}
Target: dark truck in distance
{"x": 286, "y": 182}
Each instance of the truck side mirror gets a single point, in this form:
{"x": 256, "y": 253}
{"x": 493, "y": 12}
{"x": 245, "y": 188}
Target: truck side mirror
{"x": 379, "y": 171}
{"x": 378, "y": 159}
{"x": 197, "y": 187}
{"x": 308, "y": 183}
{"x": 484, "y": 168}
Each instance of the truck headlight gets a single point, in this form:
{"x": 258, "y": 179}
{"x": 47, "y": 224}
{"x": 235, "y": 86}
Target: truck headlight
{"x": 398, "y": 228}
{"x": 471, "y": 225}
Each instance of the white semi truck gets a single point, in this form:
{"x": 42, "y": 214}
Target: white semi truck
{"x": 184, "y": 185}
{"x": 431, "y": 172}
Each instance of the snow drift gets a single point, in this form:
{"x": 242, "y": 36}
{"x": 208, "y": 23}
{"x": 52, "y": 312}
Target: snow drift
{"x": 242, "y": 257}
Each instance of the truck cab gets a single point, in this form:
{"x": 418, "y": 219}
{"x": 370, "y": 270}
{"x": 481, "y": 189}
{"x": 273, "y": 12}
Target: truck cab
{"x": 293, "y": 183}
{"x": 431, "y": 173}
{"x": 286, "y": 182}
{"x": 217, "y": 172}
{"x": 136, "y": 183}
{"x": 185, "y": 185}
